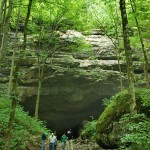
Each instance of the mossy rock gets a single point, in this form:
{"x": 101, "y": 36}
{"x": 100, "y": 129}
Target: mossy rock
{"x": 108, "y": 129}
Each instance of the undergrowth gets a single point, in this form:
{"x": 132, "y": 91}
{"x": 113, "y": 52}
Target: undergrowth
{"x": 26, "y": 130}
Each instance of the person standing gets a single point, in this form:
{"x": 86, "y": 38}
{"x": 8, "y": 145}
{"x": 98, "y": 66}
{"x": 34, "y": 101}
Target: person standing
{"x": 64, "y": 139}
{"x": 43, "y": 138}
{"x": 55, "y": 143}
{"x": 70, "y": 137}
{"x": 52, "y": 139}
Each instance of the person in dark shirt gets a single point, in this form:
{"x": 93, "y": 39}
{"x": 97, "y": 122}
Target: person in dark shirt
{"x": 70, "y": 134}
{"x": 70, "y": 137}
{"x": 43, "y": 138}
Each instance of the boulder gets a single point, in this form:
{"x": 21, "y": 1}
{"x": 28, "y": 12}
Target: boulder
{"x": 110, "y": 127}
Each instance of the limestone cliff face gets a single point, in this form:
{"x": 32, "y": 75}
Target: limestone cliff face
{"x": 74, "y": 84}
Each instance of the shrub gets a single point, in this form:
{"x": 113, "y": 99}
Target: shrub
{"x": 138, "y": 132}
{"x": 89, "y": 130}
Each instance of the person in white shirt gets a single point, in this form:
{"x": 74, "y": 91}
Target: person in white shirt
{"x": 52, "y": 139}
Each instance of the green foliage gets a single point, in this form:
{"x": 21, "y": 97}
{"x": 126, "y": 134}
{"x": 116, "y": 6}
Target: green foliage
{"x": 118, "y": 97}
{"x": 145, "y": 96}
{"x": 89, "y": 130}
{"x": 83, "y": 48}
{"x": 138, "y": 132}
{"x": 55, "y": 15}
{"x": 74, "y": 44}
{"x": 47, "y": 40}
{"x": 106, "y": 102}
{"x": 26, "y": 131}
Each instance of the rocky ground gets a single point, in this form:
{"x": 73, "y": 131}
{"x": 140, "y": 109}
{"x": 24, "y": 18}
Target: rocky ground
{"x": 78, "y": 144}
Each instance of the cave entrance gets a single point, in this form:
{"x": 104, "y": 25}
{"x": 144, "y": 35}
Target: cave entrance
{"x": 62, "y": 121}
{"x": 75, "y": 132}
{"x": 75, "y": 129}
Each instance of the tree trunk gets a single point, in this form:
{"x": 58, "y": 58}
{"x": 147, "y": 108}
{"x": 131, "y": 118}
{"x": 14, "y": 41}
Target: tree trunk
{"x": 26, "y": 23}
{"x": 4, "y": 43}
{"x": 133, "y": 5}
{"x": 14, "y": 98}
{"x": 128, "y": 53}
{"x": 13, "y": 88}
{"x": 14, "y": 52}
{"x": 1, "y": 10}
{"x": 10, "y": 124}
{"x": 2, "y": 20}
{"x": 116, "y": 44}
{"x": 39, "y": 91}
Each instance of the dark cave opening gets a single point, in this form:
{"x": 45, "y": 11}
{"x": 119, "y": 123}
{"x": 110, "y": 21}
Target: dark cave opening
{"x": 75, "y": 132}
{"x": 61, "y": 122}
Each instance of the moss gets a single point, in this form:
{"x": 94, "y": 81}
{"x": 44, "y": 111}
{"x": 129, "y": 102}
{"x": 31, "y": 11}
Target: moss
{"x": 117, "y": 107}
